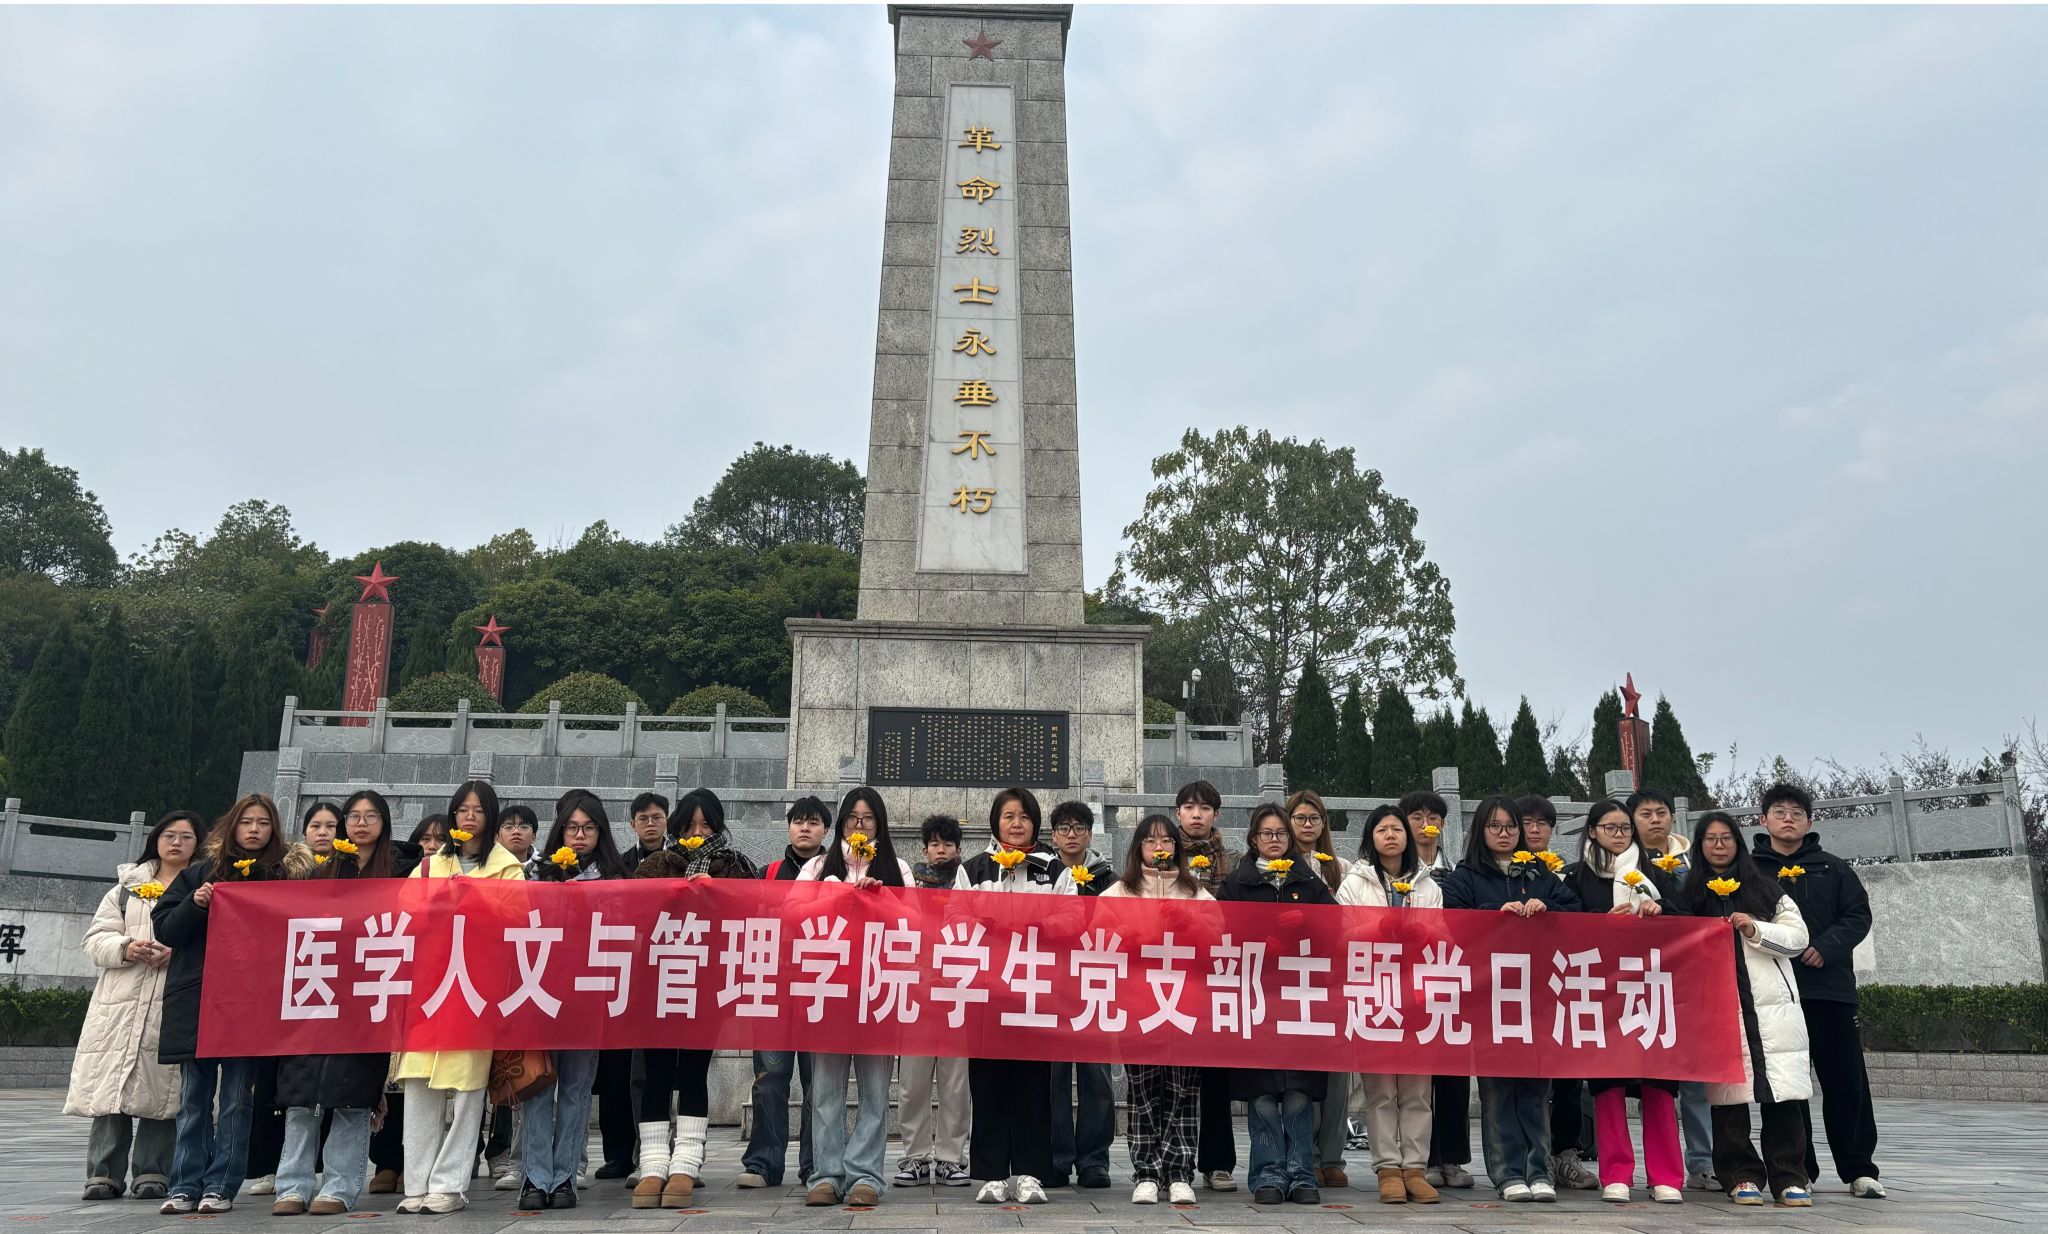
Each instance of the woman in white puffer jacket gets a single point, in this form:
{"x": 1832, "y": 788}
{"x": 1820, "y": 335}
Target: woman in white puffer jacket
{"x": 1770, "y": 934}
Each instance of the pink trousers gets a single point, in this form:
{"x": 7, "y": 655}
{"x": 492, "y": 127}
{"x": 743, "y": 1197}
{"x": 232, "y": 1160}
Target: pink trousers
{"x": 1663, "y": 1160}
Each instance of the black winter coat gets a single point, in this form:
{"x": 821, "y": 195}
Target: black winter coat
{"x": 1596, "y": 894}
{"x": 341, "y": 1081}
{"x": 1487, "y": 887}
{"x": 181, "y": 925}
{"x": 1831, "y": 899}
{"x": 1247, "y": 884}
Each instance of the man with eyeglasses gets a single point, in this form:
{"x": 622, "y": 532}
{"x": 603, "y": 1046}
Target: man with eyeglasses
{"x": 1837, "y": 912}
{"x": 1083, "y": 1123}
{"x": 650, "y": 828}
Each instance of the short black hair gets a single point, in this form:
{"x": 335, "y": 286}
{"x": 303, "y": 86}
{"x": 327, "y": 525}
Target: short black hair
{"x": 519, "y": 814}
{"x": 1423, "y": 799}
{"x": 941, "y": 827}
{"x": 809, "y": 807}
{"x": 1025, "y": 799}
{"x": 648, "y": 799}
{"x": 1787, "y": 793}
{"x": 1072, "y": 812}
{"x": 1533, "y": 806}
{"x": 697, "y": 799}
{"x": 1643, "y": 795}
{"x": 1199, "y": 792}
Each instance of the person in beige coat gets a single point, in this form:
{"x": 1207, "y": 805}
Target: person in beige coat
{"x": 115, "y": 1078}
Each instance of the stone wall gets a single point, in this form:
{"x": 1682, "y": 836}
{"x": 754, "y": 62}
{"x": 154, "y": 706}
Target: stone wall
{"x": 1977, "y": 921}
{"x": 54, "y": 914}
{"x": 1959, "y": 1077}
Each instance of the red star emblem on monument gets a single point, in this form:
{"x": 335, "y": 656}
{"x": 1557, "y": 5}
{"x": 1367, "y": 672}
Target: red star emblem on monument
{"x": 1629, "y": 696}
{"x": 981, "y": 47}
{"x": 376, "y": 584}
{"x": 491, "y": 632}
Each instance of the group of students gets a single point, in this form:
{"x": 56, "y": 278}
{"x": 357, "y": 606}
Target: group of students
{"x": 179, "y": 1125}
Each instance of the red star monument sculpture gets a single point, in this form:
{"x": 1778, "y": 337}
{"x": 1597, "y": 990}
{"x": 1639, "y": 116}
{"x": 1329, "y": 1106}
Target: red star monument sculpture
{"x": 376, "y": 584}
{"x": 491, "y": 632}
{"x": 981, "y": 47}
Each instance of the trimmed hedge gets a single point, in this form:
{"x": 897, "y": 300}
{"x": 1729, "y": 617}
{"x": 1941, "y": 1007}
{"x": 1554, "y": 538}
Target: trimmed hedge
{"x": 1987, "y": 1019}
{"x": 41, "y": 1017}
{"x": 704, "y": 701}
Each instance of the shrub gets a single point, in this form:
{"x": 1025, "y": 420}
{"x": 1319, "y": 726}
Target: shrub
{"x": 704, "y": 701}
{"x": 1990, "y": 1019}
{"x": 441, "y": 691}
{"x": 1158, "y": 711}
{"x": 41, "y": 1017}
{"x": 585, "y": 694}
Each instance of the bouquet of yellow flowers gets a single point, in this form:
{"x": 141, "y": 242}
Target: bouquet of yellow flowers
{"x": 1008, "y": 858}
{"x": 564, "y": 857}
{"x": 148, "y": 891}
{"x": 345, "y": 846}
{"x": 860, "y": 846}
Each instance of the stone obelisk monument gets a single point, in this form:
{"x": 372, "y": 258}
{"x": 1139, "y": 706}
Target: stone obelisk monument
{"x": 968, "y": 666}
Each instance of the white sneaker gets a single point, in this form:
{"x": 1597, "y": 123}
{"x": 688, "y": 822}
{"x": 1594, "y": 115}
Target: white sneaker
{"x": 1615, "y": 1193}
{"x": 412, "y": 1204}
{"x": 1146, "y": 1192}
{"x": 443, "y": 1202}
{"x": 1434, "y": 1176}
{"x": 1028, "y": 1190}
{"x": 1867, "y": 1188}
{"x": 994, "y": 1192}
{"x": 1457, "y": 1176}
{"x": 483, "y": 1168}
{"x": 1542, "y": 1192}
{"x": 1667, "y": 1195}
{"x": 1517, "y": 1193}
{"x": 583, "y": 1180}
{"x": 950, "y": 1174}
{"x": 750, "y": 1181}
{"x": 177, "y": 1205}
{"x": 1181, "y": 1193}
{"x": 215, "y": 1204}
{"x": 507, "y": 1180}
{"x": 266, "y": 1185}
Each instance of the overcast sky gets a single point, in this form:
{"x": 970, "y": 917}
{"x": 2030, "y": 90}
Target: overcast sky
{"x": 1712, "y": 345}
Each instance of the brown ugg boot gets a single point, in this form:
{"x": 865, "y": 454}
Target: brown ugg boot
{"x": 1391, "y": 1189}
{"x": 1418, "y": 1188}
{"x": 678, "y": 1191}
{"x": 647, "y": 1192}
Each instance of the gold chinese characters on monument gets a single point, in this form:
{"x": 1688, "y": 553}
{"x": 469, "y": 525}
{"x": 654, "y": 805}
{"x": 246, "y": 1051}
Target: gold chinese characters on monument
{"x": 977, "y": 391}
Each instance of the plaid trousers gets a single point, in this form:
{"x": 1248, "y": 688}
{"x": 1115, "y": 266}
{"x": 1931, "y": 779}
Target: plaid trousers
{"x": 1165, "y": 1122}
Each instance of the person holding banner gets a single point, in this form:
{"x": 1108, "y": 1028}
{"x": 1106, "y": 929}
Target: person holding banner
{"x": 1084, "y": 1098}
{"x": 444, "y": 1089}
{"x": 1500, "y": 874}
{"x": 934, "y": 1090}
{"x": 672, "y": 1145}
{"x": 246, "y": 845}
{"x": 348, "y": 1088}
{"x": 1280, "y": 1102}
{"x": 1010, "y": 1145}
{"x": 1450, "y": 1132}
{"x": 767, "y": 1155}
{"x": 1310, "y": 823}
{"x": 1615, "y": 875}
{"x": 1570, "y": 1132}
{"x": 861, "y": 854}
{"x": 1390, "y": 873}
{"x": 1164, "y": 1100}
{"x": 1196, "y": 808}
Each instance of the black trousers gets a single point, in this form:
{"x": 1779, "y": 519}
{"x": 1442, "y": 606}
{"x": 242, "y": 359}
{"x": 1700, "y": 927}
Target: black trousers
{"x": 616, "y": 1108}
{"x": 387, "y": 1143}
{"x": 1835, "y": 1039}
{"x": 1010, "y": 1132}
{"x": 1569, "y": 1130}
{"x": 1216, "y": 1147}
{"x": 266, "y": 1123}
{"x": 682, "y": 1072}
{"x": 1450, "y": 1131}
{"x": 1786, "y": 1148}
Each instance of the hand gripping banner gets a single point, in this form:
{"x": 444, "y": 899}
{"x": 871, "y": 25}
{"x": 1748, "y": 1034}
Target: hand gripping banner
{"x": 334, "y": 966}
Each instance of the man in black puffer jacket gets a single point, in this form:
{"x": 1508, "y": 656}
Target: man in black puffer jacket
{"x": 1837, "y": 912}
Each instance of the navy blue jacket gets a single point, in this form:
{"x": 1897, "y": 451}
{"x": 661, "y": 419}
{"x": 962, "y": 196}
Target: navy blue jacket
{"x": 1487, "y": 887}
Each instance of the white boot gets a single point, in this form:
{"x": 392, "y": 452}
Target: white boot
{"x": 689, "y": 1154}
{"x": 654, "y": 1158}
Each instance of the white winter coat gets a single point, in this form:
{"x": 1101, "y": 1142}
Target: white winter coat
{"x": 1362, "y": 887}
{"x": 1155, "y": 885}
{"x": 115, "y": 1070}
{"x": 1770, "y": 1012}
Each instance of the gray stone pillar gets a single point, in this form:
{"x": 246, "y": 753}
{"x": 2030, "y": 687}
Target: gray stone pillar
{"x": 629, "y": 732}
{"x": 284, "y": 729}
{"x": 1272, "y": 780}
{"x": 2010, "y": 802}
{"x": 10, "y": 823}
{"x": 1620, "y": 784}
{"x": 1901, "y": 821}
{"x": 458, "y": 733}
{"x": 1443, "y": 781}
{"x": 482, "y": 767}
{"x": 668, "y": 776}
{"x": 284, "y": 789}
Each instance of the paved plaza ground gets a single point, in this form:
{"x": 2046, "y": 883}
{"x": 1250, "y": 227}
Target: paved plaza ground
{"x": 1950, "y": 1168}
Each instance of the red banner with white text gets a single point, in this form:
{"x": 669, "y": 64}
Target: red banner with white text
{"x": 339, "y": 966}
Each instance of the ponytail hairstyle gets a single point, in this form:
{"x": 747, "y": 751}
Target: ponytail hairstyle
{"x": 1133, "y": 876}
{"x": 885, "y": 868}
{"x": 1759, "y": 893}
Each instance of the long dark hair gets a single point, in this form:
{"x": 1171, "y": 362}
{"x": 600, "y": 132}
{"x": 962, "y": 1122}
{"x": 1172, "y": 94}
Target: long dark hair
{"x": 606, "y": 858}
{"x": 487, "y": 797}
{"x": 1411, "y": 860}
{"x": 373, "y": 862}
{"x": 1596, "y": 857}
{"x": 199, "y": 831}
{"x": 884, "y": 869}
{"x": 220, "y": 845}
{"x": 1134, "y": 862}
{"x": 686, "y": 809}
{"x": 1324, "y": 840}
{"x": 1759, "y": 893}
{"x": 1476, "y": 851}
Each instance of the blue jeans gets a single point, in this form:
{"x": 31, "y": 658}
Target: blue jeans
{"x": 209, "y": 1160}
{"x": 346, "y": 1155}
{"x": 555, "y": 1122}
{"x": 768, "y": 1146}
{"x": 1696, "y": 1120}
{"x": 841, "y": 1161}
{"x": 1514, "y": 1130}
{"x": 1283, "y": 1140}
{"x": 1083, "y": 1125}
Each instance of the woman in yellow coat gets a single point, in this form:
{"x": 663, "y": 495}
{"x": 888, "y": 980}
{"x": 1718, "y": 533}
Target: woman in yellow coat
{"x": 438, "y": 1160}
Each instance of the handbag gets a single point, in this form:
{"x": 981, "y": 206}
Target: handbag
{"x": 519, "y": 1074}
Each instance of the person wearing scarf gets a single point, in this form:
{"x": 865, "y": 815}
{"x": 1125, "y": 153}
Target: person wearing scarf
{"x": 1197, "y": 808}
{"x": 767, "y": 1155}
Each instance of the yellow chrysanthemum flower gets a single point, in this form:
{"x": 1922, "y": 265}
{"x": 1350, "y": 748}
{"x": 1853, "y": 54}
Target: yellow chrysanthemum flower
{"x": 1792, "y": 874}
{"x": 148, "y": 891}
{"x": 1432, "y": 831}
{"x": 1634, "y": 878}
{"x": 245, "y": 865}
{"x": 564, "y": 857}
{"x": 692, "y": 843}
{"x": 1081, "y": 875}
{"x": 460, "y": 836}
{"x": 1667, "y": 864}
{"x": 1008, "y": 857}
{"x": 1281, "y": 866}
{"x": 345, "y": 846}
{"x": 1723, "y": 886}
{"x": 1404, "y": 888}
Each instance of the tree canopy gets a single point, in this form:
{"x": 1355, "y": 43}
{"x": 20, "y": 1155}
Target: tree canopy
{"x": 775, "y": 495}
{"x": 50, "y": 525}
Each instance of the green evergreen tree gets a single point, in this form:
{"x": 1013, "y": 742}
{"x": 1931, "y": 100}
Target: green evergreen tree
{"x": 104, "y": 738}
{"x": 1564, "y": 781}
{"x": 213, "y": 776}
{"x": 1479, "y": 769}
{"x": 426, "y": 654}
{"x": 1354, "y": 745}
{"x": 1605, "y": 753}
{"x": 42, "y": 763}
{"x": 279, "y": 675}
{"x": 1439, "y": 745}
{"x": 1311, "y": 759}
{"x": 230, "y": 733}
{"x": 162, "y": 723}
{"x": 1670, "y": 764}
{"x": 1523, "y": 770}
{"x": 1396, "y": 742}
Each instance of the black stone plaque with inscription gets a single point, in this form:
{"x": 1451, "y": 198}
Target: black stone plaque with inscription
{"x": 946, "y": 748}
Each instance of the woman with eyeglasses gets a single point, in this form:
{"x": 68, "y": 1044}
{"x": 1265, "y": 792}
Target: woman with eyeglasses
{"x": 1616, "y": 876}
{"x": 1281, "y": 1101}
{"x": 1310, "y": 823}
{"x": 116, "y": 1079}
{"x": 1500, "y": 873}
